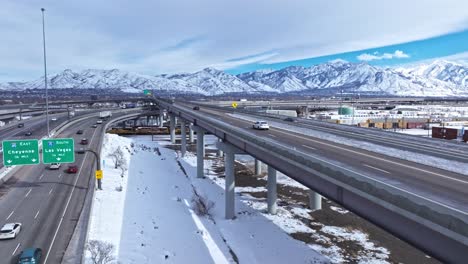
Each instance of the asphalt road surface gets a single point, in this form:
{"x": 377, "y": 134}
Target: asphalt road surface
{"x": 47, "y": 202}
{"x": 444, "y": 187}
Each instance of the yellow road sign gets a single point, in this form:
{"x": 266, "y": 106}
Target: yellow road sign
{"x": 99, "y": 174}
{"x": 234, "y": 104}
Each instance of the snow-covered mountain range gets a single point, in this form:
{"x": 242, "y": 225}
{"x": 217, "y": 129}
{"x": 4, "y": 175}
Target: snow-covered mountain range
{"x": 439, "y": 78}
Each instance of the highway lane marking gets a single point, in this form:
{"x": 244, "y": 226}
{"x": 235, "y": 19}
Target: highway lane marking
{"x": 392, "y": 141}
{"x": 392, "y": 186}
{"x": 309, "y": 147}
{"x": 10, "y": 214}
{"x": 68, "y": 202}
{"x": 37, "y": 214}
{"x": 51, "y": 189}
{"x": 28, "y": 192}
{"x": 42, "y": 175}
{"x": 375, "y": 168}
{"x": 60, "y": 175}
{"x": 16, "y": 249}
{"x": 374, "y": 157}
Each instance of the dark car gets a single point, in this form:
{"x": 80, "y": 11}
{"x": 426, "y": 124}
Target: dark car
{"x": 79, "y": 132}
{"x": 196, "y": 108}
{"x": 29, "y": 133}
{"x": 84, "y": 141}
{"x": 289, "y": 119}
{"x": 72, "y": 169}
{"x": 80, "y": 151}
{"x": 20, "y": 125}
{"x": 30, "y": 256}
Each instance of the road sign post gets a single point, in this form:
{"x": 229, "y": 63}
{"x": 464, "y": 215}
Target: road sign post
{"x": 20, "y": 152}
{"x": 59, "y": 150}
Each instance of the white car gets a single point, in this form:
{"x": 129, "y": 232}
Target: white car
{"x": 10, "y": 230}
{"x": 54, "y": 166}
{"x": 263, "y": 125}
{"x": 53, "y": 119}
{"x": 99, "y": 122}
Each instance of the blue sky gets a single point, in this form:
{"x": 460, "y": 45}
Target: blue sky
{"x": 439, "y": 47}
{"x": 159, "y": 36}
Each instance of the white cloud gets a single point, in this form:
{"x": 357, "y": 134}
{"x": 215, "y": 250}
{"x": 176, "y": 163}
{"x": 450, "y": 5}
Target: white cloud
{"x": 398, "y": 54}
{"x": 146, "y": 37}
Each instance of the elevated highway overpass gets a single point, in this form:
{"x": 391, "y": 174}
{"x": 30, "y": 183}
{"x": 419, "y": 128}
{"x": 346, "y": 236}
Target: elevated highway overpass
{"x": 420, "y": 204}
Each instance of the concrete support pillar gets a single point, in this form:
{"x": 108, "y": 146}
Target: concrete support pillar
{"x": 183, "y": 138}
{"x": 258, "y": 167}
{"x": 230, "y": 185}
{"x": 200, "y": 151}
{"x": 191, "y": 133}
{"x": 161, "y": 120}
{"x": 220, "y": 151}
{"x": 230, "y": 151}
{"x": 172, "y": 126}
{"x": 271, "y": 190}
{"x": 315, "y": 200}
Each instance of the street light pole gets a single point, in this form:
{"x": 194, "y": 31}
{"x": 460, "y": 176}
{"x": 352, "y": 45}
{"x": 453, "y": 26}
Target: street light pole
{"x": 45, "y": 74}
{"x": 98, "y": 165}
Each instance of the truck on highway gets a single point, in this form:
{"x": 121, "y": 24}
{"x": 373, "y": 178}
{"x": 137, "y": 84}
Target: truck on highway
{"x": 105, "y": 114}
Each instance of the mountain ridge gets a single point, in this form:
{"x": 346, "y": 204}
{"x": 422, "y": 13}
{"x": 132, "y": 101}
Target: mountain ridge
{"x": 438, "y": 78}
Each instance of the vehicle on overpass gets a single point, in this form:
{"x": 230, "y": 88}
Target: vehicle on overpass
{"x": 79, "y": 132}
{"x": 84, "y": 141}
{"x": 29, "y": 133}
{"x": 261, "y": 125}
{"x": 99, "y": 122}
{"x": 10, "y": 230}
{"x": 20, "y": 125}
{"x": 196, "y": 108}
{"x": 80, "y": 151}
{"x": 53, "y": 119}
{"x": 30, "y": 256}
{"x": 94, "y": 126}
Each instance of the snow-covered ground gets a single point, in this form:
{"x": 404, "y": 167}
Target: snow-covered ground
{"x": 152, "y": 219}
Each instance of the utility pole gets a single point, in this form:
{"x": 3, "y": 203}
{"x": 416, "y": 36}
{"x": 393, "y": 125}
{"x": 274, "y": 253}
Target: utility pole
{"x": 45, "y": 74}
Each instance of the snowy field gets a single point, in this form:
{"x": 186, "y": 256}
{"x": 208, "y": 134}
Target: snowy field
{"x": 152, "y": 219}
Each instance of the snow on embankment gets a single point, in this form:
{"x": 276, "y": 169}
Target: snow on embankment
{"x": 153, "y": 220}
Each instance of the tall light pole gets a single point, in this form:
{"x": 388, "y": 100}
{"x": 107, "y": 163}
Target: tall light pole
{"x": 45, "y": 74}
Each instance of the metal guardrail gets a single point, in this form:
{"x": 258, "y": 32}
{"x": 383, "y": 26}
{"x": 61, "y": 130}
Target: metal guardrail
{"x": 430, "y": 226}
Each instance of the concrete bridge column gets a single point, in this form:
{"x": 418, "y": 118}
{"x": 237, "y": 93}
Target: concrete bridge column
{"x": 230, "y": 180}
{"x": 258, "y": 167}
{"x": 315, "y": 200}
{"x": 200, "y": 151}
{"x": 172, "y": 126}
{"x": 220, "y": 151}
{"x": 161, "y": 120}
{"x": 183, "y": 137}
{"x": 272, "y": 195}
{"x": 191, "y": 133}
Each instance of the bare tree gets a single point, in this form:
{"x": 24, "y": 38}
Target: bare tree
{"x": 117, "y": 157}
{"x": 123, "y": 167}
{"x": 201, "y": 205}
{"x": 101, "y": 252}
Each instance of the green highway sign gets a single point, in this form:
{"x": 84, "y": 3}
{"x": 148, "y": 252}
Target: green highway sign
{"x": 147, "y": 92}
{"x": 20, "y": 152}
{"x": 58, "y": 150}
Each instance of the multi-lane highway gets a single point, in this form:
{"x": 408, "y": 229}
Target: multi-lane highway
{"x": 444, "y": 187}
{"x": 47, "y": 202}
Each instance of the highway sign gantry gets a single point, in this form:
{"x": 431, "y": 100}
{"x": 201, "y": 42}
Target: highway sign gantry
{"x": 58, "y": 150}
{"x": 20, "y": 152}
